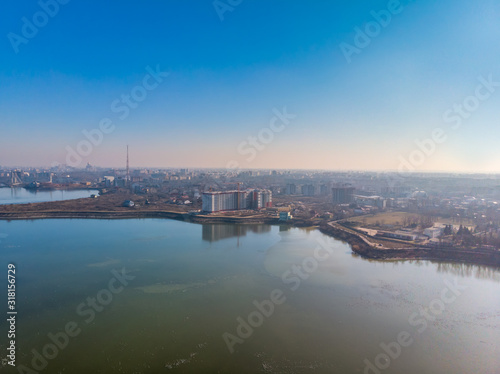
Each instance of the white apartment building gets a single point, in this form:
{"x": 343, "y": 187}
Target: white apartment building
{"x": 228, "y": 200}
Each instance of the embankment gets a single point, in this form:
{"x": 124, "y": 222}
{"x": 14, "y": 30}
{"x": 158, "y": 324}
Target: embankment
{"x": 131, "y": 214}
{"x": 90, "y": 215}
{"x": 359, "y": 246}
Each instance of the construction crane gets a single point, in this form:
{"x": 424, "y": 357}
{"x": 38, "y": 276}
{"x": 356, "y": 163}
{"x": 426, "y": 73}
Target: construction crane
{"x": 127, "y": 179}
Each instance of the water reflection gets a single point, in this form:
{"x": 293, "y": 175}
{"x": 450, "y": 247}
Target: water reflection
{"x": 469, "y": 270}
{"x": 215, "y": 232}
{"x": 454, "y": 268}
{"x": 285, "y": 228}
{"x": 186, "y": 298}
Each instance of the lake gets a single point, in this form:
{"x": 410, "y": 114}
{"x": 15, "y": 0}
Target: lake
{"x": 23, "y": 196}
{"x": 163, "y": 296}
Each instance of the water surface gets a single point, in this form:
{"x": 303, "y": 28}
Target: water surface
{"x": 192, "y": 282}
{"x": 23, "y": 196}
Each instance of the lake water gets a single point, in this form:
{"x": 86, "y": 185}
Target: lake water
{"x": 23, "y": 196}
{"x": 187, "y": 285}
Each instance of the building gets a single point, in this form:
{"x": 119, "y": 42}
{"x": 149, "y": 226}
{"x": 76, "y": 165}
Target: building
{"x": 128, "y": 204}
{"x": 291, "y": 189}
{"x": 374, "y": 201}
{"x": 120, "y": 182}
{"x": 234, "y": 200}
{"x": 220, "y": 201}
{"x": 261, "y": 199}
{"x": 285, "y": 216}
{"x": 401, "y": 235}
{"x": 433, "y": 232}
{"x": 308, "y": 190}
{"x": 323, "y": 189}
{"x": 108, "y": 181}
{"x": 343, "y": 195}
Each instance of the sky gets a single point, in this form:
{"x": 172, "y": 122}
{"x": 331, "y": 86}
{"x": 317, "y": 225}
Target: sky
{"x": 285, "y": 84}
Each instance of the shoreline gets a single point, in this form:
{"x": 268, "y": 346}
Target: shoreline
{"x": 360, "y": 247}
{"x": 62, "y": 214}
{"x": 54, "y": 187}
{"x": 358, "y": 244}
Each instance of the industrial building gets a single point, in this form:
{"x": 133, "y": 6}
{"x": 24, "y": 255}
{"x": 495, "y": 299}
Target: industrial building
{"x": 434, "y": 232}
{"x": 236, "y": 200}
{"x": 374, "y": 201}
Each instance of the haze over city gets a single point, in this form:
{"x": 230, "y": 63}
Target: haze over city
{"x": 358, "y": 103}
{"x": 250, "y": 186}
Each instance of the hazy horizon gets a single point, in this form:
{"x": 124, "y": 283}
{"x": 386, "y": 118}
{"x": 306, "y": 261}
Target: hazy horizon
{"x": 308, "y": 82}
{"x": 153, "y": 167}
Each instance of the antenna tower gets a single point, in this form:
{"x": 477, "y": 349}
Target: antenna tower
{"x": 128, "y": 169}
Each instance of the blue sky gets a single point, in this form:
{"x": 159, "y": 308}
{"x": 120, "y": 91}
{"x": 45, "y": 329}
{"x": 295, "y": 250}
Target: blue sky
{"x": 226, "y": 77}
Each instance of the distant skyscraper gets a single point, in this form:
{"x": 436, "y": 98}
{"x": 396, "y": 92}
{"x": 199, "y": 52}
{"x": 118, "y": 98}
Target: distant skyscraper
{"x": 323, "y": 189}
{"x": 343, "y": 195}
{"x": 291, "y": 189}
{"x": 308, "y": 190}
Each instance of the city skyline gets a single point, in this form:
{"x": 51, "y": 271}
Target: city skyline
{"x": 252, "y": 85}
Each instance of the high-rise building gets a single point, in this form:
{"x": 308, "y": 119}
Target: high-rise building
{"x": 323, "y": 189}
{"x": 267, "y": 199}
{"x": 236, "y": 200}
{"x": 220, "y": 201}
{"x": 343, "y": 195}
{"x": 308, "y": 190}
{"x": 291, "y": 189}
